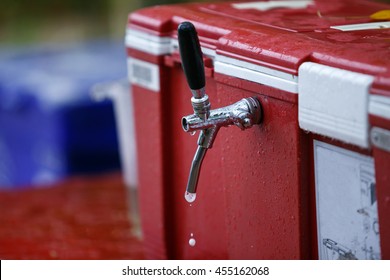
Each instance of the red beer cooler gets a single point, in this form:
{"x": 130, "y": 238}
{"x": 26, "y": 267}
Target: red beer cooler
{"x": 313, "y": 179}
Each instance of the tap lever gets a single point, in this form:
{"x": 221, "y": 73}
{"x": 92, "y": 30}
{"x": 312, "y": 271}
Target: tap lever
{"x": 191, "y": 56}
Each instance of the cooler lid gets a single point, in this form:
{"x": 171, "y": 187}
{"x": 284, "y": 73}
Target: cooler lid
{"x": 298, "y": 15}
{"x": 327, "y": 52}
{"x": 280, "y": 35}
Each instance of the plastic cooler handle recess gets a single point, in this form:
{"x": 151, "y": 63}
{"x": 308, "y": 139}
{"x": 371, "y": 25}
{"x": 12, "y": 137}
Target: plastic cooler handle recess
{"x": 191, "y": 55}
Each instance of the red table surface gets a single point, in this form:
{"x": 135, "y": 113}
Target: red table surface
{"x": 80, "y": 218}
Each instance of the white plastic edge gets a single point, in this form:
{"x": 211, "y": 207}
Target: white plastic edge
{"x": 268, "y": 5}
{"x": 124, "y": 115}
{"x": 379, "y": 106}
{"x": 155, "y": 45}
{"x": 334, "y": 103}
{"x": 206, "y": 51}
{"x": 362, "y": 26}
{"x": 148, "y": 43}
{"x": 119, "y": 93}
{"x": 247, "y": 71}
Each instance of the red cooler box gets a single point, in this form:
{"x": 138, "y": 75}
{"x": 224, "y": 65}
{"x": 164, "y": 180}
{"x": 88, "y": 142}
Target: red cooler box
{"x": 312, "y": 180}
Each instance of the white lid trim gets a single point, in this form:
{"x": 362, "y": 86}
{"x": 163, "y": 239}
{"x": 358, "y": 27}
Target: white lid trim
{"x": 257, "y": 68}
{"x": 247, "y": 71}
{"x": 148, "y": 43}
{"x": 268, "y": 5}
{"x": 334, "y": 103}
{"x": 379, "y": 106}
{"x": 206, "y": 51}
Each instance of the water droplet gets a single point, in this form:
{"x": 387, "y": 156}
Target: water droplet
{"x": 190, "y": 197}
{"x": 192, "y": 242}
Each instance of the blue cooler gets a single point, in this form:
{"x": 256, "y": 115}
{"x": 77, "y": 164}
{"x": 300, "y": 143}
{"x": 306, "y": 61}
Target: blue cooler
{"x": 50, "y": 127}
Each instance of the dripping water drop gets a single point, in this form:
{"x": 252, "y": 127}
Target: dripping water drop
{"x": 192, "y": 240}
{"x": 190, "y": 197}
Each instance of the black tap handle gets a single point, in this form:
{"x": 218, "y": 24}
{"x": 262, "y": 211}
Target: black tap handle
{"x": 191, "y": 55}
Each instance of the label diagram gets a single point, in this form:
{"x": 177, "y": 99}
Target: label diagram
{"x": 347, "y": 215}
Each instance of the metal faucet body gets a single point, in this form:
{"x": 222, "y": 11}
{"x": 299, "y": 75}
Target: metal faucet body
{"x": 243, "y": 114}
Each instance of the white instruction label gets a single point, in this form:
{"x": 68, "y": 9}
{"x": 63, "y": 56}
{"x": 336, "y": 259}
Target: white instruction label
{"x": 347, "y": 214}
{"x": 362, "y": 26}
{"x": 143, "y": 74}
{"x": 268, "y": 5}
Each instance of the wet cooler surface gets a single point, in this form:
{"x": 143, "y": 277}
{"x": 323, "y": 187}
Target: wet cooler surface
{"x": 80, "y": 218}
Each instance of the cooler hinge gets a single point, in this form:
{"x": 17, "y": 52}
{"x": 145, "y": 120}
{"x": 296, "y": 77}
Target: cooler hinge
{"x": 380, "y": 138}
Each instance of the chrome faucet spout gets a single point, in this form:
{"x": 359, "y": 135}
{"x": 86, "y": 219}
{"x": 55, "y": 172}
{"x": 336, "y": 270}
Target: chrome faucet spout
{"x": 195, "y": 170}
{"x": 205, "y": 142}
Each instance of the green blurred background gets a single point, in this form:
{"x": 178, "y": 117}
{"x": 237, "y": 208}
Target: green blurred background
{"x": 24, "y": 22}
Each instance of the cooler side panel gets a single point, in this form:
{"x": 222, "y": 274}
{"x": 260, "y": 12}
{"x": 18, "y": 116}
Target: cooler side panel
{"x": 379, "y": 119}
{"x": 149, "y": 139}
{"x": 266, "y": 196}
{"x": 382, "y": 174}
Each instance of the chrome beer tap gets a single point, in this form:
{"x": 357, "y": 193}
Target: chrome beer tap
{"x": 244, "y": 113}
